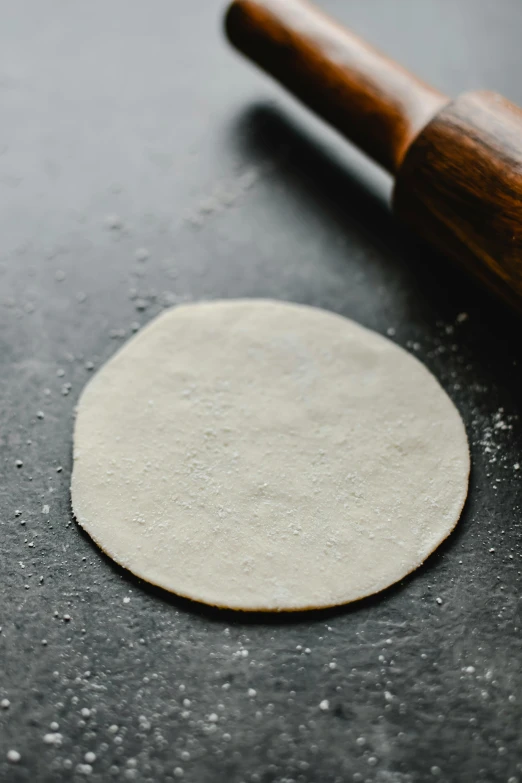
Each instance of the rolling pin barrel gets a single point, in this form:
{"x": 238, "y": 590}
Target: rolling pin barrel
{"x": 458, "y": 165}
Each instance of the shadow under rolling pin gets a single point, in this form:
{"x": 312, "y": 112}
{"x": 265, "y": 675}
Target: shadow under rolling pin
{"x": 457, "y": 164}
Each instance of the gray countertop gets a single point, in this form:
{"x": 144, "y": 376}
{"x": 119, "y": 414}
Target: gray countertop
{"x": 128, "y": 126}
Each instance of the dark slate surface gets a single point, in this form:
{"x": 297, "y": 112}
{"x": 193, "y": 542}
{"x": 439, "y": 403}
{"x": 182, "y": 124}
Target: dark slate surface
{"x": 139, "y": 111}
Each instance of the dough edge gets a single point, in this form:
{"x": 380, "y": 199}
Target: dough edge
{"x": 208, "y": 600}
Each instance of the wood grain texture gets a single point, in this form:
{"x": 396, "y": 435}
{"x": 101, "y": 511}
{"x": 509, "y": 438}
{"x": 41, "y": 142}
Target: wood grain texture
{"x": 458, "y": 165}
{"x": 460, "y": 187}
{"x": 371, "y": 100}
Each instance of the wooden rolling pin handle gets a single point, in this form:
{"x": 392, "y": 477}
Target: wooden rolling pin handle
{"x": 370, "y": 99}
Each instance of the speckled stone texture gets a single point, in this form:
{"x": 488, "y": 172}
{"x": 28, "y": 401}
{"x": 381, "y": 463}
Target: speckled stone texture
{"x": 142, "y": 164}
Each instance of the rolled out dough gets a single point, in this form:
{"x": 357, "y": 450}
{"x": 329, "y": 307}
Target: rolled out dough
{"x": 260, "y": 455}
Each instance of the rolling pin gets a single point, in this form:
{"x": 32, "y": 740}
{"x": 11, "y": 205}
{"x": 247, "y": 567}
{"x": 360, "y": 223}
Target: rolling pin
{"x": 457, "y": 164}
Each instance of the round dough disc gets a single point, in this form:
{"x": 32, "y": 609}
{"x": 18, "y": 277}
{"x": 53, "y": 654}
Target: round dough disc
{"x": 261, "y": 455}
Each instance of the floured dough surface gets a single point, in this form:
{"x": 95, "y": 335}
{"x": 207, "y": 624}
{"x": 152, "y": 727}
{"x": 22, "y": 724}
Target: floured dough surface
{"x": 261, "y": 455}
